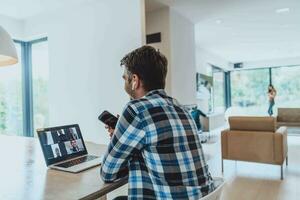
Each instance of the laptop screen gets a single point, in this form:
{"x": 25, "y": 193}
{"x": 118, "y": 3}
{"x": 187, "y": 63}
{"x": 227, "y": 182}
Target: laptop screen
{"x": 61, "y": 143}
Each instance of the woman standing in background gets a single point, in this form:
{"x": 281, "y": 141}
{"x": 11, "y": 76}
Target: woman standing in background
{"x": 271, "y": 94}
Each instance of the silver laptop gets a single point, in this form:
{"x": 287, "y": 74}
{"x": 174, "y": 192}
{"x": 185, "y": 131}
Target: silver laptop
{"x": 64, "y": 149}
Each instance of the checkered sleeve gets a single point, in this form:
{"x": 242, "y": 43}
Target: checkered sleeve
{"x": 127, "y": 140}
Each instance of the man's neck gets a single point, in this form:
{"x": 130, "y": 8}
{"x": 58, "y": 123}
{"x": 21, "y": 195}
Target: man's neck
{"x": 139, "y": 94}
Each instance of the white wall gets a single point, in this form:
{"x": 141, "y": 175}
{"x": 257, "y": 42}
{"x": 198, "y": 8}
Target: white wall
{"x": 143, "y": 20}
{"x": 159, "y": 21}
{"x": 183, "y": 62}
{"x": 178, "y": 44}
{"x": 86, "y": 43}
{"x": 13, "y": 26}
{"x": 205, "y": 59}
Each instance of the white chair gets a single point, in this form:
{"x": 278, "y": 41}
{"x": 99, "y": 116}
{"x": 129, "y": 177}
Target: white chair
{"x": 216, "y": 194}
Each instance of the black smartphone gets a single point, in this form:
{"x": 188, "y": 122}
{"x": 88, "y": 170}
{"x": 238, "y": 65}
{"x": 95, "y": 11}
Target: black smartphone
{"x": 108, "y": 119}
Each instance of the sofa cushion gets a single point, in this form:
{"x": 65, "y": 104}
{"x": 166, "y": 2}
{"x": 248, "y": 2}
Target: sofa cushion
{"x": 288, "y": 115}
{"x": 291, "y": 124}
{"x": 252, "y": 123}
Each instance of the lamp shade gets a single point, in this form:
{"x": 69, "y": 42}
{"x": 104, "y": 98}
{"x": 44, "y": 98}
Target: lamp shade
{"x": 8, "y": 53}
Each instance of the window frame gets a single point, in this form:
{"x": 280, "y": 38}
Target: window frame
{"x": 27, "y": 89}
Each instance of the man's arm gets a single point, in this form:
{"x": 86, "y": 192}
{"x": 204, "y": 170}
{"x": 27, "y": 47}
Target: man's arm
{"x": 202, "y": 113}
{"x": 127, "y": 140}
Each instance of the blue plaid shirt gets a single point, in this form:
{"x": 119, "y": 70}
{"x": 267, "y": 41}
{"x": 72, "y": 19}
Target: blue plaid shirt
{"x": 156, "y": 142}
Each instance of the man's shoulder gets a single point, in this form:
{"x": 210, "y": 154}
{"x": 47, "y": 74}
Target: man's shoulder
{"x": 151, "y": 101}
{"x": 139, "y": 105}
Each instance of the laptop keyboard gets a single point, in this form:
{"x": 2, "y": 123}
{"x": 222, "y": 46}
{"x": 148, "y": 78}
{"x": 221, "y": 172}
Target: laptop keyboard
{"x": 77, "y": 161}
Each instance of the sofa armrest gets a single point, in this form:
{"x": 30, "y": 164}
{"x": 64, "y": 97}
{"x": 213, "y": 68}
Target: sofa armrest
{"x": 280, "y": 145}
{"x": 224, "y": 143}
{"x": 282, "y": 130}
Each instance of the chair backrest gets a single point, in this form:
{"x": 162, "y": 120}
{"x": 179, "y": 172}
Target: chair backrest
{"x": 216, "y": 194}
{"x": 252, "y": 124}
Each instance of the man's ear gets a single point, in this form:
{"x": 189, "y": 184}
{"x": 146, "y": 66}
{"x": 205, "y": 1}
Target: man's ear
{"x": 135, "y": 82}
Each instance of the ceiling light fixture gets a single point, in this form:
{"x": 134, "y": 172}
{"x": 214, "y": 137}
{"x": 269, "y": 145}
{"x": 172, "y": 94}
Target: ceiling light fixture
{"x": 283, "y": 10}
{"x": 8, "y": 53}
{"x": 218, "y": 21}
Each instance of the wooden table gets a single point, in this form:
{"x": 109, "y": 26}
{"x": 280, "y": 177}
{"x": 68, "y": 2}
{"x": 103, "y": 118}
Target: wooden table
{"x": 24, "y": 175}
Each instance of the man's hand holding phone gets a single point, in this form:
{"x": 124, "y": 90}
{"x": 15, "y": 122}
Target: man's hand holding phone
{"x": 109, "y": 120}
{"x": 110, "y": 130}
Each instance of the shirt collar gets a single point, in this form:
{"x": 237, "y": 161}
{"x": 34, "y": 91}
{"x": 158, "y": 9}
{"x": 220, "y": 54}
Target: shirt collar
{"x": 158, "y": 91}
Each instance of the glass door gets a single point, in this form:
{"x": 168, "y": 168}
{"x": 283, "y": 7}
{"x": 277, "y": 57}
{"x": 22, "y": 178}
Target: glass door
{"x": 287, "y": 84}
{"x": 249, "y": 91}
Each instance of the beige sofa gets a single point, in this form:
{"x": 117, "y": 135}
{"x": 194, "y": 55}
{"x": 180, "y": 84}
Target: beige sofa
{"x": 288, "y": 117}
{"x": 255, "y": 139}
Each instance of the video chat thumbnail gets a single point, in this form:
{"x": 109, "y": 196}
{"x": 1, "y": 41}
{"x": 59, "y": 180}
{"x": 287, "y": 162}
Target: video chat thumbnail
{"x": 62, "y": 142}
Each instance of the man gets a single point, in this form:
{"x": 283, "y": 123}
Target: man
{"x": 57, "y": 152}
{"x": 155, "y": 139}
{"x": 74, "y": 147}
{"x": 196, "y": 116}
{"x": 62, "y": 135}
{"x": 73, "y": 134}
{"x": 55, "y": 137}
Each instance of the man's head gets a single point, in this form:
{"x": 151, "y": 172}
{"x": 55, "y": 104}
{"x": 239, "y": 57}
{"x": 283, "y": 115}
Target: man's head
{"x": 73, "y": 143}
{"x": 60, "y": 132}
{"x": 145, "y": 70}
{"x": 57, "y": 151}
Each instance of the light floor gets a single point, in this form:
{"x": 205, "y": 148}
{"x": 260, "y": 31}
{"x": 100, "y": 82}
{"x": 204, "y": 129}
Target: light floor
{"x": 252, "y": 181}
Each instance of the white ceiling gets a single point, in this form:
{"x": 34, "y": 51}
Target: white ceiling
{"x": 249, "y": 30}
{"x": 243, "y": 30}
{"x": 22, "y": 9}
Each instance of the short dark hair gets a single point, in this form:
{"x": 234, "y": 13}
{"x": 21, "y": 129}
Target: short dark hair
{"x": 149, "y": 65}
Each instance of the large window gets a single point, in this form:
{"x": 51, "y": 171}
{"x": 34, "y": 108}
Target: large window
{"x": 40, "y": 78}
{"x": 249, "y": 90}
{"x": 24, "y": 90}
{"x": 11, "y": 108}
{"x": 287, "y": 83}
{"x": 245, "y": 91}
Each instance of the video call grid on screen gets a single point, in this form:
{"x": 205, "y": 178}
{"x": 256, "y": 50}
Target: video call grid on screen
{"x": 61, "y": 143}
